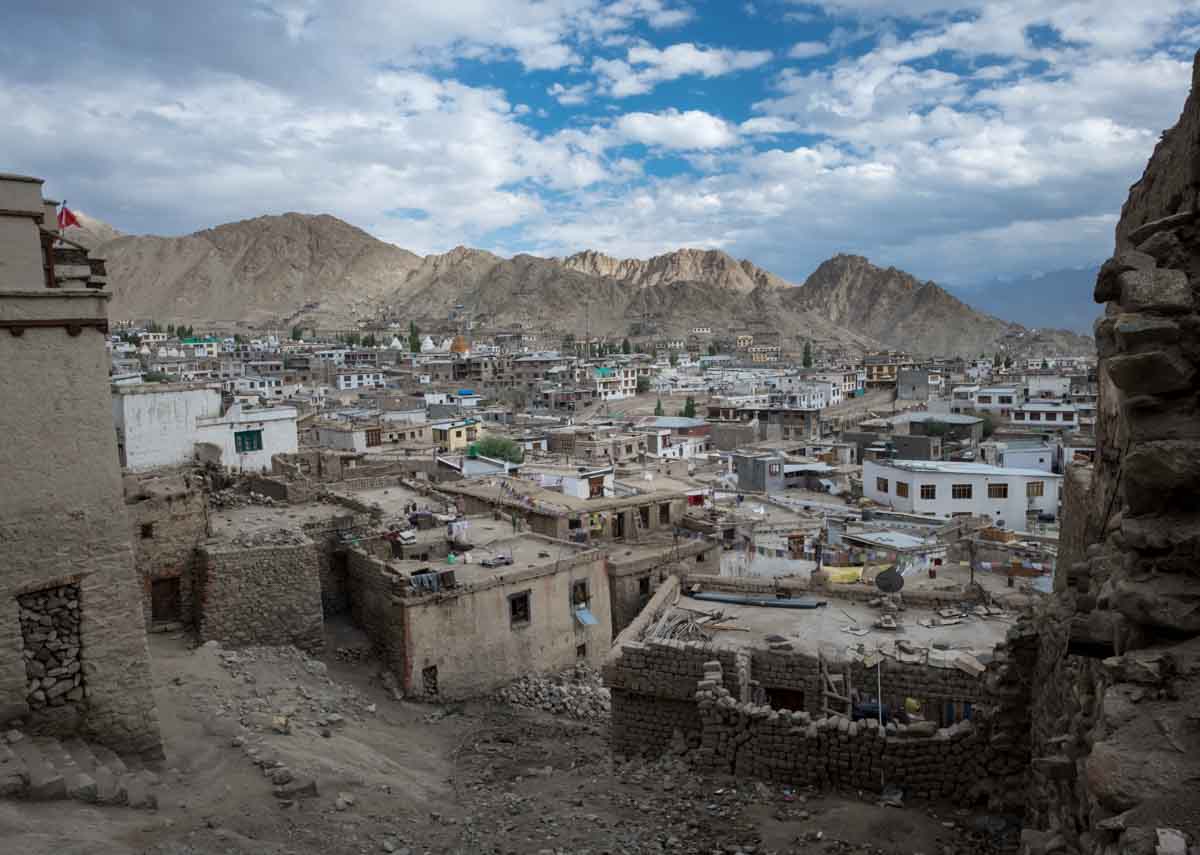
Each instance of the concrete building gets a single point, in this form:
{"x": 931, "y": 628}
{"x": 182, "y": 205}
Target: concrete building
{"x": 1046, "y": 415}
{"x": 67, "y": 555}
{"x": 456, "y": 434}
{"x": 998, "y": 400}
{"x": 949, "y": 489}
{"x": 913, "y": 384}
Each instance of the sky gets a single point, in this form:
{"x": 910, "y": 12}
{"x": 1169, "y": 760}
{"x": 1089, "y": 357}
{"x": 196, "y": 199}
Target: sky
{"x": 960, "y": 140}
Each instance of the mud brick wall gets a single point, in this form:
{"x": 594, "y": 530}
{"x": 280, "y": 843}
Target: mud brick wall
{"x": 165, "y": 531}
{"x": 375, "y": 609}
{"x": 269, "y": 595}
{"x": 833, "y": 752}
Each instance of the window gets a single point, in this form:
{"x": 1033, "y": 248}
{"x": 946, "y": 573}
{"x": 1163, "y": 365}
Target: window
{"x": 664, "y": 514}
{"x": 1068, "y": 417}
{"x": 1035, "y": 489}
{"x": 1006, "y": 399}
{"x": 644, "y": 586}
{"x": 997, "y": 491}
{"x": 458, "y": 434}
{"x": 373, "y": 438}
{"x": 902, "y": 489}
{"x": 984, "y": 399}
{"x": 960, "y": 491}
{"x": 929, "y": 491}
{"x": 581, "y": 651}
{"x": 147, "y": 531}
{"x": 644, "y": 515}
{"x": 1051, "y": 417}
{"x": 247, "y": 440}
{"x": 581, "y": 598}
{"x": 1035, "y": 417}
{"x": 774, "y": 469}
{"x": 1019, "y": 416}
{"x": 518, "y": 609}
{"x": 881, "y": 484}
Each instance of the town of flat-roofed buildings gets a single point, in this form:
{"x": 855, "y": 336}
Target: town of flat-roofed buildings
{"x": 845, "y": 543}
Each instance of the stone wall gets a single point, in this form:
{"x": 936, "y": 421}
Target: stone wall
{"x": 50, "y": 633}
{"x": 632, "y": 582}
{"x": 269, "y": 595}
{"x": 1117, "y": 678}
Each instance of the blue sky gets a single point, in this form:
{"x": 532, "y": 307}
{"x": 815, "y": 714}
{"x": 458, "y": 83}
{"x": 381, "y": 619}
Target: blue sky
{"x": 961, "y": 140}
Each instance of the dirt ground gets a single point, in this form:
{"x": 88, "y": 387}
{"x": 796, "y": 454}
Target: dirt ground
{"x": 395, "y": 776}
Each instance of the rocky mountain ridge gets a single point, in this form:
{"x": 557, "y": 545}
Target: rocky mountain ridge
{"x": 320, "y": 272}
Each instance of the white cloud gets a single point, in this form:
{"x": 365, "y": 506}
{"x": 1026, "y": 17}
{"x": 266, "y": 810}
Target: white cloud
{"x": 570, "y": 95}
{"x": 692, "y": 129}
{"x": 767, "y": 125}
{"x": 645, "y": 66}
{"x": 807, "y": 50}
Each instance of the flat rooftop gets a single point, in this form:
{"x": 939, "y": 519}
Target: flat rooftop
{"x": 228, "y": 523}
{"x": 552, "y": 501}
{"x": 492, "y": 539}
{"x": 821, "y": 630}
{"x": 391, "y": 499}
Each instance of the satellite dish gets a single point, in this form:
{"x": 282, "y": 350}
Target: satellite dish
{"x": 889, "y": 581}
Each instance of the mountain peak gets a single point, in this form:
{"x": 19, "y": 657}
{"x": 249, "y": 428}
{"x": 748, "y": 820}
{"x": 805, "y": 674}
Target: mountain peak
{"x": 687, "y": 264}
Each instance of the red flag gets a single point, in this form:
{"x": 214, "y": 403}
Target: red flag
{"x": 66, "y": 217}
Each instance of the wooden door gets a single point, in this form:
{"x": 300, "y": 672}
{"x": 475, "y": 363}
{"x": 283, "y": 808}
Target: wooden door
{"x": 164, "y": 600}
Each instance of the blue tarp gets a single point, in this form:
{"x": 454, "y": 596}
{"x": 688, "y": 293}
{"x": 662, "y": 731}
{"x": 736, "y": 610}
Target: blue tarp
{"x": 585, "y": 616}
{"x": 770, "y": 602}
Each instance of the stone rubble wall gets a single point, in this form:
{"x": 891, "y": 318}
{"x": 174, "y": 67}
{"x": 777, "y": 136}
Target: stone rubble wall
{"x": 757, "y": 741}
{"x": 268, "y": 595}
{"x": 50, "y": 632}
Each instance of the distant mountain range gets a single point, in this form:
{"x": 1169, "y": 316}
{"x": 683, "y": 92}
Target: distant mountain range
{"x": 317, "y": 271}
{"x": 1062, "y": 298}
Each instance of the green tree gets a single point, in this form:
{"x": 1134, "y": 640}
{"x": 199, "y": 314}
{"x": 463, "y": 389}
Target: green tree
{"x": 643, "y": 385}
{"x": 1008, "y": 362}
{"x": 1045, "y": 363}
{"x": 712, "y": 349}
{"x": 369, "y": 340}
{"x": 499, "y": 448}
{"x": 674, "y": 358}
{"x": 297, "y": 334}
{"x": 626, "y": 347}
{"x": 996, "y": 360}
{"x": 170, "y": 329}
{"x": 658, "y": 408}
{"x": 689, "y": 408}
{"x": 989, "y": 424}
{"x": 808, "y": 356}
{"x": 414, "y": 338}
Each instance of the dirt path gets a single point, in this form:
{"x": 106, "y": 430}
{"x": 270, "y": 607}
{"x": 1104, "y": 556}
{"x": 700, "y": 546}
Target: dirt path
{"x": 412, "y": 778}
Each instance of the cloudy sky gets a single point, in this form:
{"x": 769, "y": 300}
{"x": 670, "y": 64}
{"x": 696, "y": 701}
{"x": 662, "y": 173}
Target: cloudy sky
{"x": 959, "y": 139}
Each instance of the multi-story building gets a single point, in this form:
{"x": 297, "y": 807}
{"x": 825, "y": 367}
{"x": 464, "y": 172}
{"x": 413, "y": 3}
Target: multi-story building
{"x": 941, "y": 489}
{"x": 345, "y": 380}
{"x": 1053, "y": 415}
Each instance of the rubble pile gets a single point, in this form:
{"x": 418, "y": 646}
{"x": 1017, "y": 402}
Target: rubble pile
{"x": 270, "y": 537}
{"x": 234, "y": 498}
{"x": 577, "y": 692}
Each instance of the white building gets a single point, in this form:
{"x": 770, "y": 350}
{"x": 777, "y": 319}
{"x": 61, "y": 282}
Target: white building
{"x": 615, "y": 383}
{"x": 962, "y": 398}
{"x": 947, "y": 489}
{"x": 1048, "y": 415}
{"x": 246, "y": 438}
{"x": 172, "y": 424}
{"x": 345, "y": 380}
{"x": 999, "y": 400}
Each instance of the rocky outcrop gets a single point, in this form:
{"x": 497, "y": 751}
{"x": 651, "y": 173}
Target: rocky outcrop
{"x": 682, "y": 265}
{"x": 1118, "y": 676}
{"x": 905, "y": 313}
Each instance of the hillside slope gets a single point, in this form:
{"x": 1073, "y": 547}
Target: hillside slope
{"x": 318, "y": 271}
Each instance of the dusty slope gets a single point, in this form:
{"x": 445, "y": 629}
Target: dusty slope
{"x": 682, "y": 265}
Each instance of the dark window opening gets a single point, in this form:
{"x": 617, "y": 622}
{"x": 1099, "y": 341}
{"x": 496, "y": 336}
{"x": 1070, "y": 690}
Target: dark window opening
{"x": 644, "y": 586}
{"x": 518, "y": 609}
{"x": 664, "y": 514}
{"x": 581, "y": 651}
{"x": 429, "y": 680}
{"x": 700, "y": 558}
{"x": 580, "y": 595}
{"x": 574, "y": 524}
{"x": 644, "y": 514}
{"x": 147, "y": 531}
{"x": 785, "y": 699}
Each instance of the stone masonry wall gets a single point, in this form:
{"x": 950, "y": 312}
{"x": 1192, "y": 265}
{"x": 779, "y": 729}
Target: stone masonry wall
{"x": 1116, "y": 752}
{"x": 50, "y": 632}
{"x": 760, "y": 742}
{"x": 269, "y": 595}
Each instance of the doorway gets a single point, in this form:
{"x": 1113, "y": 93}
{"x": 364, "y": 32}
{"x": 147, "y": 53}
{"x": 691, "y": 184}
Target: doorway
{"x": 164, "y": 600}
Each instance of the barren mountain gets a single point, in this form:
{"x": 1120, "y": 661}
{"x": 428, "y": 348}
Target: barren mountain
{"x": 682, "y": 265}
{"x": 317, "y": 271}
{"x": 898, "y": 309}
